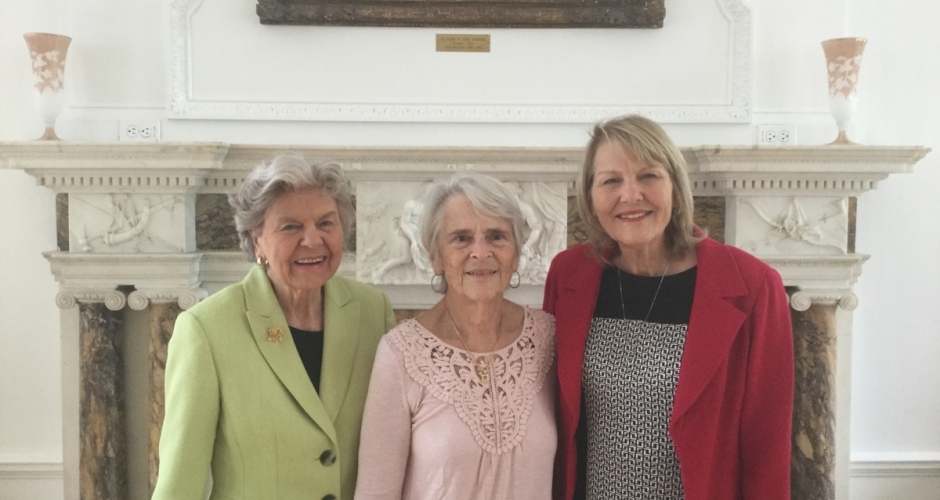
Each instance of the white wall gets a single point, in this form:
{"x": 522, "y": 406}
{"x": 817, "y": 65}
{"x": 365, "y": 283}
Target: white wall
{"x": 30, "y": 407}
{"x": 896, "y": 374}
{"x": 117, "y": 71}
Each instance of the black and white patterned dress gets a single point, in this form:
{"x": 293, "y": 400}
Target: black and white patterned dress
{"x": 631, "y": 368}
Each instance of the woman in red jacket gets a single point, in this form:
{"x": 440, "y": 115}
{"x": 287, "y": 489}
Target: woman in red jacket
{"x": 675, "y": 352}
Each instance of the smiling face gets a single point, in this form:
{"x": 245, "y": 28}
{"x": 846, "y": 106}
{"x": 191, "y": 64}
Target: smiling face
{"x": 632, "y": 199}
{"x": 302, "y": 240}
{"x": 476, "y": 253}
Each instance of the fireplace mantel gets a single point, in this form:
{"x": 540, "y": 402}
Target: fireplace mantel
{"x": 132, "y": 236}
{"x": 807, "y": 176}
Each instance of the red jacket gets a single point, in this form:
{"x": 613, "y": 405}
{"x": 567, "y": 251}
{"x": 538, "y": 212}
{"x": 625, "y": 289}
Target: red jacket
{"x": 731, "y": 416}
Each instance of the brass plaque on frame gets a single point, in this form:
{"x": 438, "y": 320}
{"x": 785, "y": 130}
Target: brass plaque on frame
{"x": 463, "y": 43}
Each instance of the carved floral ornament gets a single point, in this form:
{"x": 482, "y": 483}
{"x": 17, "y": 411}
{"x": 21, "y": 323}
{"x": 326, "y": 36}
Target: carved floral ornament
{"x": 792, "y": 222}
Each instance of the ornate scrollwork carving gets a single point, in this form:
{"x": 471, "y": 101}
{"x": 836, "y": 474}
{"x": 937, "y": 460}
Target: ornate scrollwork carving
{"x": 189, "y": 298}
{"x": 138, "y": 300}
{"x": 803, "y": 299}
{"x": 115, "y": 300}
{"x": 112, "y": 299}
{"x": 849, "y": 301}
{"x": 141, "y": 299}
{"x": 800, "y": 301}
{"x": 65, "y": 300}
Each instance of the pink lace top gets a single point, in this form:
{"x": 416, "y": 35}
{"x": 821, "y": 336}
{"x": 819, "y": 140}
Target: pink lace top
{"x": 433, "y": 429}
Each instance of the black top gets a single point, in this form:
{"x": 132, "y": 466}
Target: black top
{"x": 672, "y": 306}
{"x": 310, "y": 347}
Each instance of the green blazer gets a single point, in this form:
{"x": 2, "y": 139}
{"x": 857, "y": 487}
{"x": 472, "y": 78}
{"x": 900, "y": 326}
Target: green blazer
{"x": 242, "y": 405}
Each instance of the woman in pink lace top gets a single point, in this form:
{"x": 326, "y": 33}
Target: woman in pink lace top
{"x": 461, "y": 401}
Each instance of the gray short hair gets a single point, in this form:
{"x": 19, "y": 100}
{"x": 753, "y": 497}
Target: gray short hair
{"x": 652, "y": 145}
{"x": 284, "y": 174}
{"x": 488, "y": 197}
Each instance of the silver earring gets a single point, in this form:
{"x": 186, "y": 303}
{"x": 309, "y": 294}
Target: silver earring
{"x": 261, "y": 262}
{"x": 515, "y": 280}
{"x": 439, "y": 283}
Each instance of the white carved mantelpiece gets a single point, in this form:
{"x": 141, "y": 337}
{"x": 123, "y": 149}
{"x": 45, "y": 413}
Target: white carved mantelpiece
{"x": 131, "y": 224}
{"x": 789, "y": 206}
{"x": 131, "y": 217}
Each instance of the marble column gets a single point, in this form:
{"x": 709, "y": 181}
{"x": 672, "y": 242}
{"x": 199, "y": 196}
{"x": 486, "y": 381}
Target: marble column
{"x": 813, "y": 453}
{"x": 103, "y": 448}
{"x": 162, "y": 320}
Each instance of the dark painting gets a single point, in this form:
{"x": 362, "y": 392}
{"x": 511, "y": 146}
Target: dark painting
{"x": 466, "y": 14}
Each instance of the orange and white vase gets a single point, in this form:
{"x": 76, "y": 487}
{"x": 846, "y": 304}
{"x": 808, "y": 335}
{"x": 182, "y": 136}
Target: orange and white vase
{"x": 48, "y": 52}
{"x": 843, "y": 57}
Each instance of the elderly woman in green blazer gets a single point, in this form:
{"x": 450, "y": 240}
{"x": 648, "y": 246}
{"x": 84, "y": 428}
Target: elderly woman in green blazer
{"x": 266, "y": 379}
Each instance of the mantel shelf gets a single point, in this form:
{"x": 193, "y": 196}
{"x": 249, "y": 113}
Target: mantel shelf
{"x": 817, "y": 159}
{"x": 79, "y": 156}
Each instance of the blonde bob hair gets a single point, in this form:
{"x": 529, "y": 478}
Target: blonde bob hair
{"x": 651, "y": 145}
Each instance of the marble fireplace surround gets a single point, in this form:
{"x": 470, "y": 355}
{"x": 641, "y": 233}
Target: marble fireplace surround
{"x": 140, "y": 243}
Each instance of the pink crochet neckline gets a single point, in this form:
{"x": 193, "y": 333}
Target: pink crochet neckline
{"x": 497, "y": 411}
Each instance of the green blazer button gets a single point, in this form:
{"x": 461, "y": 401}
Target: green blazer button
{"x": 328, "y": 458}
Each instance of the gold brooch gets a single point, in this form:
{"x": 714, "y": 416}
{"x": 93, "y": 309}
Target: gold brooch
{"x": 275, "y": 334}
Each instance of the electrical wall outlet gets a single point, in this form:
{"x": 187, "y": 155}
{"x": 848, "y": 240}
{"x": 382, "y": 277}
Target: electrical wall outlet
{"x": 140, "y": 131}
{"x": 776, "y": 135}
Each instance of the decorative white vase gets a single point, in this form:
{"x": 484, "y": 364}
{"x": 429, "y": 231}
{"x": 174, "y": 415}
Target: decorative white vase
{"x": 48, "y": 52}
{"x": 843, "y": 58}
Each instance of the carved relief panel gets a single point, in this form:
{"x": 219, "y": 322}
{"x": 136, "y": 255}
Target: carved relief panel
{"x": 789, "y": 225}
{"x": 545, "y": 210}
{"x": 131, "y": 223}
{"x": 388, "y": 241}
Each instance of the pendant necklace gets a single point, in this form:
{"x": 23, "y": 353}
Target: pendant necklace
{"x": 623, "y": 307}
{"x": 481, "y": 364}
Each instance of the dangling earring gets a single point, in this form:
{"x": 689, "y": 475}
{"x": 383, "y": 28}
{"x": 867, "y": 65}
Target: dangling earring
{"x": 515, "y": 280}
{"x": 439, "y": 283}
